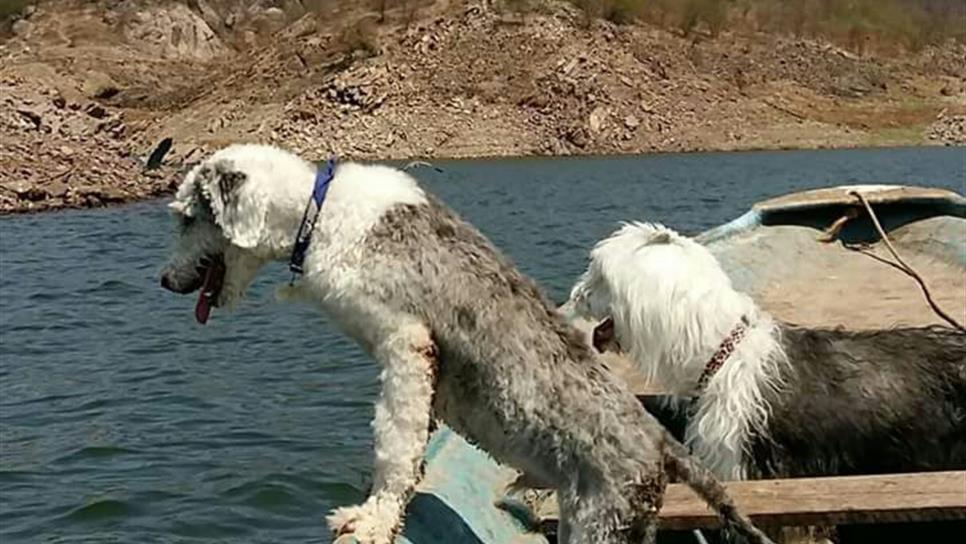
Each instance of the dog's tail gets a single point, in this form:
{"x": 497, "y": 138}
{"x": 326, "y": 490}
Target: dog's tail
{"x": 706, "y": 485}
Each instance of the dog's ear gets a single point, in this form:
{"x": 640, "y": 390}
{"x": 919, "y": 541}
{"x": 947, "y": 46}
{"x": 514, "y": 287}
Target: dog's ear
{"x": 235, "y": 204}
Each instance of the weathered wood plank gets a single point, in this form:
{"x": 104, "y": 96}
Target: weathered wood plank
{"x": 928, "y": 496}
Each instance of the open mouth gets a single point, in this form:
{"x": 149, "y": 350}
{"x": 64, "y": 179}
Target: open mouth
{"x": 212, "y": 269}
{"x": 603, "y": 337}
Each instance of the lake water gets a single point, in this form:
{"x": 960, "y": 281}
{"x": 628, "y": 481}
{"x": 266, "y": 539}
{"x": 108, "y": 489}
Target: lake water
{"x": 121, "y": 420}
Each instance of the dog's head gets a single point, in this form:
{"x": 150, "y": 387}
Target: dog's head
{"x": 599, "y": 293}
{"x": 659, "y": 295}
{"x": 590, "y": 299}
{"x": 222, "y": 211}
{"x": 630, "y": 273}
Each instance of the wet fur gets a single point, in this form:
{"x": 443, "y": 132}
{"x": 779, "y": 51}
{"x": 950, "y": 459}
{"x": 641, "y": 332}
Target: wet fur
{"x": 460, "y": 334}
{"x": 867, "y": 402}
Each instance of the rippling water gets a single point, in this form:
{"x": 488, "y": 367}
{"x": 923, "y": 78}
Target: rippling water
{"x": 123, "y": 421}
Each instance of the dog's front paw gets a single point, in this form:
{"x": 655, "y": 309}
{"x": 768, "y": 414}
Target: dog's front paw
{"x": 343, "y": 520}
{"x": 368, "y": 523}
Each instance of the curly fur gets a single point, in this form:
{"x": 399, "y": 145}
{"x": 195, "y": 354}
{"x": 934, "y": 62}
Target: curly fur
{"x": 459, "y": 332}
{"x": 789, "y": 401}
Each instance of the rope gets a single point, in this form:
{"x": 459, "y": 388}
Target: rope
{"x": 832, "y": 232}
{"x": 902, "y": 265}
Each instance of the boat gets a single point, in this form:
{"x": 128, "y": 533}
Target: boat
{"x": 813, "y": 258}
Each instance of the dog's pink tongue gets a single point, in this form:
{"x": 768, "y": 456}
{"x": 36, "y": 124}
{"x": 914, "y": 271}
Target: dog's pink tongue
{"x": 214, "y": 273}
{"x": 202, "y": 307}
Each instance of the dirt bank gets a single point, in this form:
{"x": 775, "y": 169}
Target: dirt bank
{"x": 88, "y": 89}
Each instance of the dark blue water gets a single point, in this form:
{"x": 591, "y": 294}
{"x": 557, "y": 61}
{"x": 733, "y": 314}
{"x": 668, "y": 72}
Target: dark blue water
{"x": 121, "y": 420}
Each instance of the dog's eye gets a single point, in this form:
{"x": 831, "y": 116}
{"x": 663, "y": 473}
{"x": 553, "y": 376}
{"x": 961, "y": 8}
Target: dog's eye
{"x": 186, "y": 221}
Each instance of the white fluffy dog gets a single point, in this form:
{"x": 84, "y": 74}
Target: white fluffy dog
{"x": 765, "y": 398}
{"x": 461, "y": 335}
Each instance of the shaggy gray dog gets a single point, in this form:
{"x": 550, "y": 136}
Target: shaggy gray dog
{"x": 460, "y": 333}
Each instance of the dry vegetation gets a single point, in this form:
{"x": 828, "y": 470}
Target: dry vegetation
{"x": 858, "y": 24}
{"x": 10, "y": 9}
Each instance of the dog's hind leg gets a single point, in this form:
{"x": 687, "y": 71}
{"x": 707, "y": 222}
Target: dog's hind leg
{"x": 586, "y": 519}
{"x": 401, "y": 425}
{"x": 682, "y": 465}
{"x": 601, "y": 515}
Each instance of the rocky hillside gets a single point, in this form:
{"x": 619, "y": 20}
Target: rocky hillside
{"x": 89, "y": 88}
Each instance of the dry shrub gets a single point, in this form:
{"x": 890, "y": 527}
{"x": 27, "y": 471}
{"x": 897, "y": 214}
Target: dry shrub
{"x": 713, "y": 13}
{"x": 685, "y": 15}
{"x": 11, "y": 8}
{"x": 396, "y": 11}
{"x": 859, "y": 24}
{"x": 362, "y": 36}
{"x": 615, "y": 11}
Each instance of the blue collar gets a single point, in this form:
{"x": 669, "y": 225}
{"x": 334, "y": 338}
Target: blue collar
{"x": 322, "y": 179}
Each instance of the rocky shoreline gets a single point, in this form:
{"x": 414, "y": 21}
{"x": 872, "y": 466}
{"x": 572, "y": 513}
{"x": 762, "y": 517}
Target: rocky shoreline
{"x": 88, "y": 90}
{"x": 136, "y": 185}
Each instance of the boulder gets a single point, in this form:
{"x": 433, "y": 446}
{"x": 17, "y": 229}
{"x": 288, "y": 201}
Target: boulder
{"x": 20, "y": 27}
{"x": 596, "y": 119}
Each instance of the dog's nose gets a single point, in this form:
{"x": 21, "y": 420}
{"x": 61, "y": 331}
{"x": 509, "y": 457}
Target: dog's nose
{"x": 166, "y": 282}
